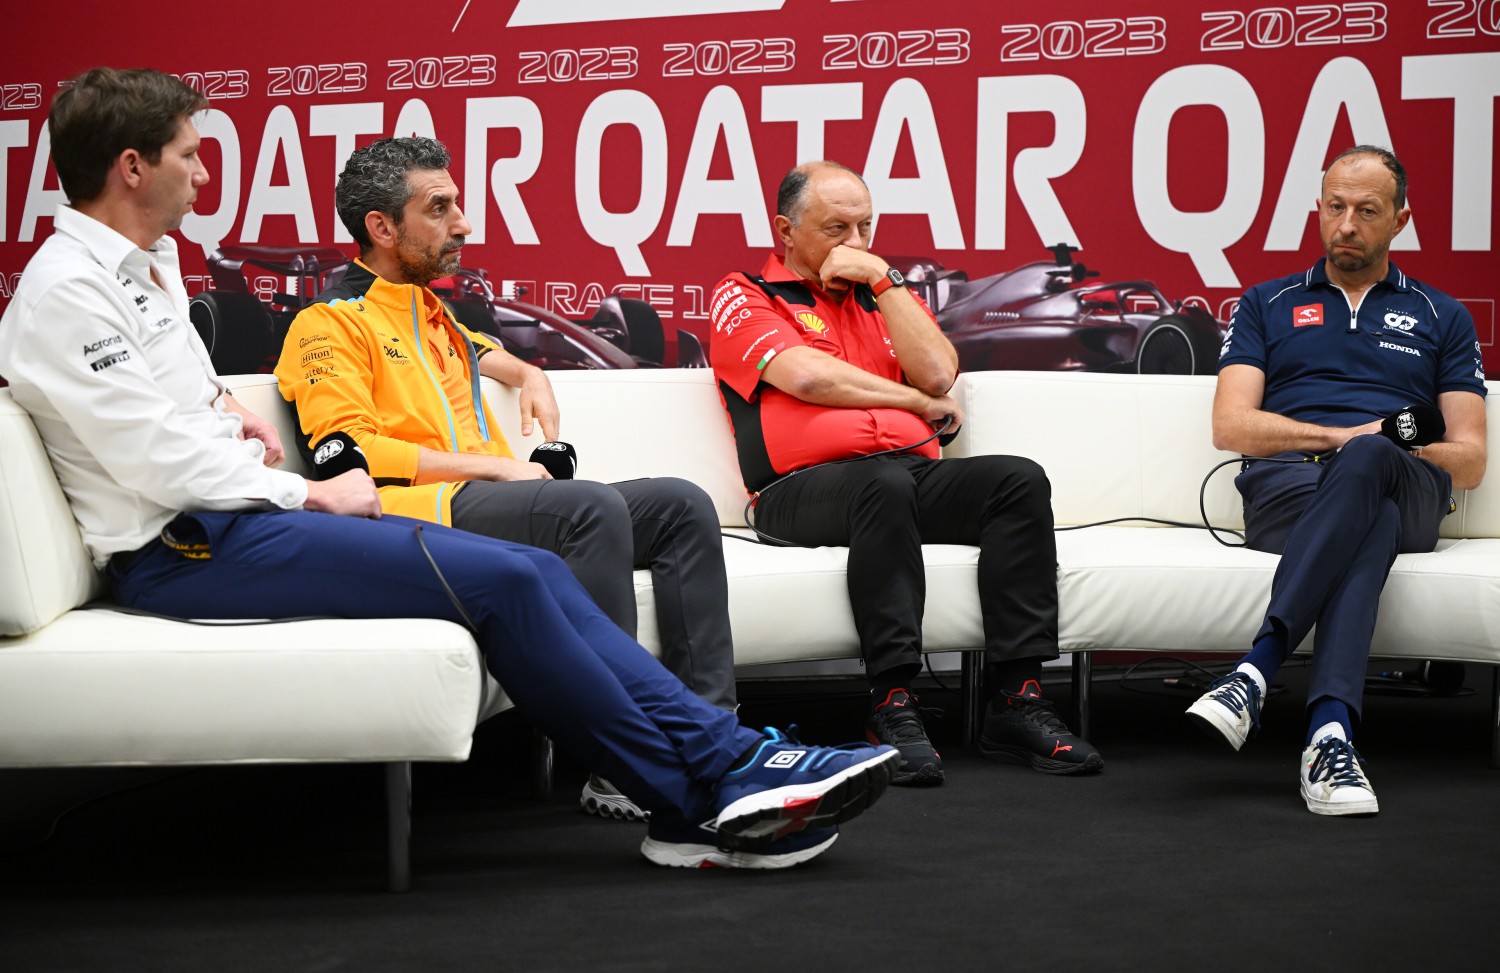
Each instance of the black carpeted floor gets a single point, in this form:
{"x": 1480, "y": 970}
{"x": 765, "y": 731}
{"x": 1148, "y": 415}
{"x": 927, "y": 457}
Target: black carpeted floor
{"x": 1180, "y": 855}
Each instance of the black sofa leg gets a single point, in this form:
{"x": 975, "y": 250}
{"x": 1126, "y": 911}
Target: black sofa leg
{"x": 542, "y": 757}
{"x": 398, "y": 825}
{"x": 1083, "y": 678}
{"x": 1495, "y": 720}
{"x": 972, "y": 689}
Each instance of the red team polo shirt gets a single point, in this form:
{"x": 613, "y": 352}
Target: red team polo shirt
{"x": 756, "y": 318}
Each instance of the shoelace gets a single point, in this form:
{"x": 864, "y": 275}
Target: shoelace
{"x": 1041, "y": 714}
{"x": 903, "y": 726}
{"x": 1338, "y": 763}
{"x": 1238, "y": 694}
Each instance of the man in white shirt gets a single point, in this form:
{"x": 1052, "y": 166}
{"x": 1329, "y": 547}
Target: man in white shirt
{"x": 172, "y": 485}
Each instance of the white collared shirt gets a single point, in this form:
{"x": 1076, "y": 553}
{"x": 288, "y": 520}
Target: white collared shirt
{"x": 122, "y": 392}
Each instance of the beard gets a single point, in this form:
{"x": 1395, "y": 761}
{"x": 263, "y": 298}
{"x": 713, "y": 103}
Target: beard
{"x": 423, "y": 265}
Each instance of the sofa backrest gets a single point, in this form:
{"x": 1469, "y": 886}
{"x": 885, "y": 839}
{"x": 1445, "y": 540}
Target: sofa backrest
{"x": 1112, "y": 445}
{"x": 625, "y": 424}
{"x": 628, "y": 424}
{"x": 44, "y": 568}
{"x": 259, "y": 394}
{"x": 1140, "y": 445}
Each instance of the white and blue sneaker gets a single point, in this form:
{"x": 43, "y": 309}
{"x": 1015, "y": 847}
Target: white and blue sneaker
{"x": 1231, "y": 707}
{"x": 787, "y": 787}
{"x": 1334, "y": 781}
{"x": 673, "y": 842}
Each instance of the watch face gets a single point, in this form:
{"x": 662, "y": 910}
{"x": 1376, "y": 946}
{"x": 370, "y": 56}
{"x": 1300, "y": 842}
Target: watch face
{"x": 896, "y": 278}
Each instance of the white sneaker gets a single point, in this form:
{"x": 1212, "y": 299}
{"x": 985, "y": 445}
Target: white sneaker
{"x": 604, "y": 799}
{"x": 1231, "y": 707}
{"x": 1333, "y": 781}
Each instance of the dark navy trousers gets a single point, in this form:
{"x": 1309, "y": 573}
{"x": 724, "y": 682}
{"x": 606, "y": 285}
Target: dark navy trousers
{"x": 1338, "y": 526}
{"x": 570, "y": 670}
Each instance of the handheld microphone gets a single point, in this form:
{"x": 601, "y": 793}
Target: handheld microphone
{"x": 1442, "y": 678}
{"x": 559, "y": 459}
{"x": 337, "y": 453}
{"x": 1413, "y": 426}
{"x": 949, "y": 432}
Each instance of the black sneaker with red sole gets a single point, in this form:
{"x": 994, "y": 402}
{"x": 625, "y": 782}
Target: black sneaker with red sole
{"x": 895, "y": 722}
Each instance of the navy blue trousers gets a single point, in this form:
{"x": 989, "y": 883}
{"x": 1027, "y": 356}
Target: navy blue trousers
{"x": 570, "y": 670}
{"x": 1338, "y": 527}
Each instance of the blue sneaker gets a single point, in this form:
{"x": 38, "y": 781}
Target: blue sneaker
{"x": 787, "y": 787}
{"x": 673, "y": 842}
{"x": 1231, "y": 707}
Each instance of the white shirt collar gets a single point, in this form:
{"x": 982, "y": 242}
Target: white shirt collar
{"x": 106, "y": 244}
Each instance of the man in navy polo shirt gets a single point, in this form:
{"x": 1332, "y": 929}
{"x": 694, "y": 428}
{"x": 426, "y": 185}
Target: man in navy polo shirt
{"x": 1366, "y": 390}
{"x": 836, "y": 380}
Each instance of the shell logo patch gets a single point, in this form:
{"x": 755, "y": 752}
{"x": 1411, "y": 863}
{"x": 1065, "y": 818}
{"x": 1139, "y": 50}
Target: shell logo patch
{"x": 812, "y": 322}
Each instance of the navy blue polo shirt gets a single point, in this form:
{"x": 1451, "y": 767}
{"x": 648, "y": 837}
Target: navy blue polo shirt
{"x": 1328, "y": 364}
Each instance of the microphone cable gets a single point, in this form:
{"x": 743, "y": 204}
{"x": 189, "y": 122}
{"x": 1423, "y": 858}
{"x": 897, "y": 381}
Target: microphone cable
{"x": 1213, "y": 531}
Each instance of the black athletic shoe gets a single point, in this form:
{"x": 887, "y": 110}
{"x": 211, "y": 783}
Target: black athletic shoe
{"x": 896, "y": 722}
{"x": 1026, "y": 729}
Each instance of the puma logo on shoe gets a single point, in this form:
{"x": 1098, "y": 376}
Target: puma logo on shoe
{"x": 1059, "y": 748}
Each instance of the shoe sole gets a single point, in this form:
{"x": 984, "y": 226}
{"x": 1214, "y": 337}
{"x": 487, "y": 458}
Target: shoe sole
{"x": 1008, "y": 753}
{"x": 707, "y": 856}
{"x": 1372, "y": 806}
{"x": 677, "y": 855}
{"x": 619, "y": 808}
{"x": 1210, "y": 716}
{"x": 927, "y": 775}
{"x": 758, "y": 819}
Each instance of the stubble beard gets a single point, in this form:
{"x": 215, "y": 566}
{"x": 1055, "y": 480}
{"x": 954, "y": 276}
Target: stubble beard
{"x": 429, "y": 265}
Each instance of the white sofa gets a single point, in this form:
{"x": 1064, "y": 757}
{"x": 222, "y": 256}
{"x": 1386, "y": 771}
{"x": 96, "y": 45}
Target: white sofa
{"x": 90, "y": 686}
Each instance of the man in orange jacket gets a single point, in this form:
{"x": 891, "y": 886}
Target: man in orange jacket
{"x": 380, "y": 358}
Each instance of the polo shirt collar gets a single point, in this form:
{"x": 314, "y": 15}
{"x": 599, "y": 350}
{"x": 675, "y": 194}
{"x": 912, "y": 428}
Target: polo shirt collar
{"x": 775, "y": 269}
{"x": 1393, "y": 276}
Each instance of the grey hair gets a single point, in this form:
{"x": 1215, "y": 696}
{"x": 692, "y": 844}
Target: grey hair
{"x": 375, "y": 180}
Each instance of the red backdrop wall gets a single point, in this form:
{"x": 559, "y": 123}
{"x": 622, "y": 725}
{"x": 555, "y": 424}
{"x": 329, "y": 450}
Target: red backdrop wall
{"x": 601, "y": 151}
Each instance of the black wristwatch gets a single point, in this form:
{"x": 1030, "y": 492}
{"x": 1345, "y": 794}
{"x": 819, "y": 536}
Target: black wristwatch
{"x": 893, "y": 278}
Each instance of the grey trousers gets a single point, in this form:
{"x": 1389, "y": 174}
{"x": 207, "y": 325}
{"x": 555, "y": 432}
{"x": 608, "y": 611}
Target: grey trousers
{"x": 603, "y": 532}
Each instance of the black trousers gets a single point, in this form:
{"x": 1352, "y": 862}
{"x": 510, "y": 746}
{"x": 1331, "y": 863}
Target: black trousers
{"x": 884, "y": 508}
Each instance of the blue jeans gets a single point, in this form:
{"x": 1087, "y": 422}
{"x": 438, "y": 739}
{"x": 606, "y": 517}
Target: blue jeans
{"x": 1338, "y": 527}
{"x": 570, "y": 670}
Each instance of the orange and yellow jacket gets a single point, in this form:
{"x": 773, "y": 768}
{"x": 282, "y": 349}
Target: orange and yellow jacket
{"x": 388, "y": 365}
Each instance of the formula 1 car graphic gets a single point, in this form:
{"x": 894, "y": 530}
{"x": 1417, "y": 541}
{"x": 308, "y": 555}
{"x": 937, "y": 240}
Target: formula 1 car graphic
{"x": 1048, "y": 316}
{"x": 243, "y": 330}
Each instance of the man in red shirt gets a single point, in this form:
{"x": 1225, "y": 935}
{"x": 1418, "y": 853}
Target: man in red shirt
{"x": 830, "y": 369}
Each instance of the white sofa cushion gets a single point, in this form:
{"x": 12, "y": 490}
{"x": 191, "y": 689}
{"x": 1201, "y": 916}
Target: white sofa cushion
{"x": 104, "y": 687}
